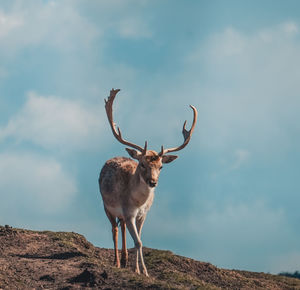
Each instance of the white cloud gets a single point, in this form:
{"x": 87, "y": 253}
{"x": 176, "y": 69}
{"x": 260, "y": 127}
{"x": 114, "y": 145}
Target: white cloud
{"x": 44, "y": 23}
{"x": 249, "y": 93}
{"x": 240, "y": 235}
{"x": 290, "y": 28}
{"x": 65, "y": 26}
{"x": 125, "y": 17}
{"x": 31, "y": 184}
{"x": 241, "y": 156}
{"x": 286, "y": 30}
{"x": 246, "y": 87}
{"x": 8, "y": 23}
{"x": 56, "y": 123}
{"x": 134, "y": 28}
{"x": 243, "y": 221}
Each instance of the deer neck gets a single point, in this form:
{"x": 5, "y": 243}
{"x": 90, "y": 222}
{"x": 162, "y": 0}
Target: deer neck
{"x": 140, "y": 190}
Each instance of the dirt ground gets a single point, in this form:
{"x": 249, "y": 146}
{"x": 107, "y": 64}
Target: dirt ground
{"x": 60, "y": 260}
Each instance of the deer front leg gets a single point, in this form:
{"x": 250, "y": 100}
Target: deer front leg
{"x": 139, "y": 225}
{"x": 124, "y": 256}
{"x": 138, "y": 245}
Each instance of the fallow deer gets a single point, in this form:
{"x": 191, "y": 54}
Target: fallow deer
{"x": 127, "y": 187}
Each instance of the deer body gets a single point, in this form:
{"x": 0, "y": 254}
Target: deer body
{"x": 127, "y": 187}
{"x": 123, "y": 191}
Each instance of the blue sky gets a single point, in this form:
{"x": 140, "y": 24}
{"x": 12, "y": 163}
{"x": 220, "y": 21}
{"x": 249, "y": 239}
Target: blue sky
{"x": 232, "y": 197}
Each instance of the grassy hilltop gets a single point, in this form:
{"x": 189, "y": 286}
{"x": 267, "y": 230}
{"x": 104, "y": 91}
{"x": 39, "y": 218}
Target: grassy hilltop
{"x": 61, "y": 260}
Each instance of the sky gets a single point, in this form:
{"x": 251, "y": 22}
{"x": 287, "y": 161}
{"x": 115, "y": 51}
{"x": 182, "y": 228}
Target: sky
{"x": 232, "y": 197}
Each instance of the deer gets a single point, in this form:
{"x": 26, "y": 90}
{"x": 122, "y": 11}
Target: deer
{"x": 127, "y": 186}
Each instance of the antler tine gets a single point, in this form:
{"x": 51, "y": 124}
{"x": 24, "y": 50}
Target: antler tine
{"x": 109, "y": 113}
{"x": 187, "y": 134}
{"x": 145, "y": 148}
{"x": 161, "y": 153}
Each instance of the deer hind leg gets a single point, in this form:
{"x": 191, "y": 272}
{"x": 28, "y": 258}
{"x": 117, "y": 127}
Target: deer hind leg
{"x": 124, "y": 256}
{"x": 114, "y": 225}
{"x": 131, "y": 225}
{"x": 115, "y": 238}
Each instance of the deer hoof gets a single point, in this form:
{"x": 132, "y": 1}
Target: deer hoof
{"x": 123, "y": 262}
{"x": 117, "y": 264}
{"x": 145, "y": 272}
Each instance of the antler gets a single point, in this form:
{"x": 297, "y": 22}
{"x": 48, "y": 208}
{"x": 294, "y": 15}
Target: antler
{"x": 186, "y": 135}
{"x": 118, "y": 135}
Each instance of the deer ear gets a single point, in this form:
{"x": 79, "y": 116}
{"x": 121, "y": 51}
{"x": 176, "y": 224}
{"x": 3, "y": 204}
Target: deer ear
{"x": 133, "y": 153}
{"x": 168, "y": 158}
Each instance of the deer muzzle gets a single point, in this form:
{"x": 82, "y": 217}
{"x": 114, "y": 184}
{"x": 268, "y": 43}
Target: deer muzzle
{"x": 152, "y": 183}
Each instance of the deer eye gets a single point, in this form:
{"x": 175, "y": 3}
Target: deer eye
{"x": 143, "y": 166}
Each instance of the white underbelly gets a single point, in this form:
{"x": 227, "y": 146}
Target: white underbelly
{"x": 115, "y": 211}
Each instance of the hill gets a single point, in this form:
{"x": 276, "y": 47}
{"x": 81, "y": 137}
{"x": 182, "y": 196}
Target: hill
{"x": 62, "y": 260}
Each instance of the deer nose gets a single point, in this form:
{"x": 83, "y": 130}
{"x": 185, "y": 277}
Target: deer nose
{"x": 152, "y": 183}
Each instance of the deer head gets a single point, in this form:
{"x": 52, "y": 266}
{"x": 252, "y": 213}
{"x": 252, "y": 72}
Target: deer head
{"x": 149, "y": 161}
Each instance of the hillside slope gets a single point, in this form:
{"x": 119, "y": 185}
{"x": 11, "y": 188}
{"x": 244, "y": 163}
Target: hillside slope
{"x": 60, "y": 260}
